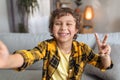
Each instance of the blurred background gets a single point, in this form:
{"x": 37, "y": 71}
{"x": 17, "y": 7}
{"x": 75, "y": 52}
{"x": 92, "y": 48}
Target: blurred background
{"x": 34, "y": 18}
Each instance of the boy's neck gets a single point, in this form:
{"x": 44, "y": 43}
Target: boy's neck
{"x": 65, "y": 47}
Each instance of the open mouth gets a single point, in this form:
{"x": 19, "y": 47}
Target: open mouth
{"x": 63, "y": 34}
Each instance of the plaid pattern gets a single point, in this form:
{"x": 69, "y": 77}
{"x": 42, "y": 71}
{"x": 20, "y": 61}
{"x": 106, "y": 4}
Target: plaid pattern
{"x": 47, "y": 50}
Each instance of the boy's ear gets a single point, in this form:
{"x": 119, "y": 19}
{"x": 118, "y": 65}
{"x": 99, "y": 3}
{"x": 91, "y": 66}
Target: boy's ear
{"x": 77, "y": 30}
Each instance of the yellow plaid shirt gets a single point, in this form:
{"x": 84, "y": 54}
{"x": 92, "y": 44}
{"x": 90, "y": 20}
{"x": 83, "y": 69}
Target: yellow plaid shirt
{"x": 47, "y": 50}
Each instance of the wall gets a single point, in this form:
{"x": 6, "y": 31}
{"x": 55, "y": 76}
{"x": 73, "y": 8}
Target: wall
{"x": 4, "y": 23}
{"x": 107, "y": 18}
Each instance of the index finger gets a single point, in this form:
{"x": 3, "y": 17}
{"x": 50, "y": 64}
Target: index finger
{"x": 97, "y": 39}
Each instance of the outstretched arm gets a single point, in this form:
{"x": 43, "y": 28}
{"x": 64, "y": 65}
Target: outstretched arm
{"x": 104, "y": 51}
{"x": 9, "y": 60}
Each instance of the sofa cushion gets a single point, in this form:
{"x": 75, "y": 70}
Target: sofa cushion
{"x": 23, "y": 75}
{"x": 111, "y": 74}
{"x": 24, "y": 41}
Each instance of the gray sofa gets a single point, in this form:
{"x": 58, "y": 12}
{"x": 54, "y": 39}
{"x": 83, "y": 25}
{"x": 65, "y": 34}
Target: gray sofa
{"x": 16, "y": 41}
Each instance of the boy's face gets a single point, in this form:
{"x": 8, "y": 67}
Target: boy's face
{"x": 64, "y": 28}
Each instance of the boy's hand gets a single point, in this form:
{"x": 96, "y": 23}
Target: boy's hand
{"x": 7, "y": 60}
{"x": 103, "y": 47}
{"x": 4, "y": 53}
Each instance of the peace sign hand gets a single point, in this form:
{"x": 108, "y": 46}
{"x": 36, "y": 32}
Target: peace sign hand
{"x": 105, "y": 50}
{"x": 103, "y": 47}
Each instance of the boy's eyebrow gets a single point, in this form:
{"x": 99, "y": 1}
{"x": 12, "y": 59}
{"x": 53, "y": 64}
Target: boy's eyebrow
{"x": 67, "y": 20}
{"x": 72, "y": 20}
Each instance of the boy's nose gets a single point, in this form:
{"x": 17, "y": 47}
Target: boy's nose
{"x": 64, "y": 27}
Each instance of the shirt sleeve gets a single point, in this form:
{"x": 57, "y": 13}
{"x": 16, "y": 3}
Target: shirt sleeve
{"x": 32, "y": 55}
{"x": 93, "y": 58}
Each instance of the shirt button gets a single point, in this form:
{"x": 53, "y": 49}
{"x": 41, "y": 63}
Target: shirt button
{"x": 70, "y": 73}
{"x": 70, "y": 70}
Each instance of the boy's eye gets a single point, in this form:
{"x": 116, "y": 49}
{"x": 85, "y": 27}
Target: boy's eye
{"x": 57, "y": 23}
{"x": 69, "y": 24}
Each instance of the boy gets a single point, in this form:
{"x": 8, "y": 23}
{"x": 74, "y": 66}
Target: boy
{"x": 64, "y": 58}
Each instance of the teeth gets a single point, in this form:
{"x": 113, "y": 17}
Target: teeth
{"x": 63, "y": 34}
